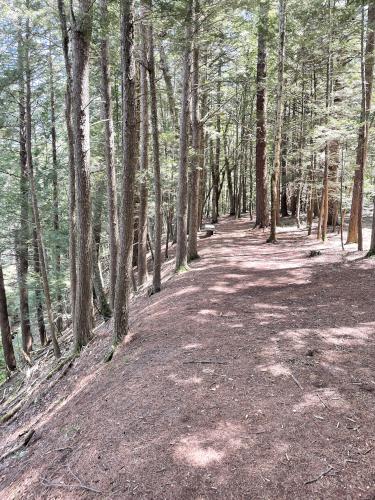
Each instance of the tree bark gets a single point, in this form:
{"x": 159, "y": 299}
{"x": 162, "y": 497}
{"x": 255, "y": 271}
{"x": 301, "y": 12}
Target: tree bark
{"x": 354, "y": 232}
{"x": 70, "y": 133}
{"x": 34, "y": 200}
{"x": 100, "y": 296}
{"x": 22, "y": 236}
{"x": 168, "y": 86}
{"x": 196, "y": 136}
{"x": 275, "y": 183}
{"x": 109, "y": 149}
{"x": 38, "y": 293}
{"x": 156, "y": 279}
{"x": 216, "y": 164}
{"x": 144, "y": 139}
{"x": 261, "y": 120}
{"x": 55, "y": 191}
{"x": 6, "y": 336}
{"x": 182, "y": 197}
{"x": 129, "y": 166}
{"x": 81, "y": 27}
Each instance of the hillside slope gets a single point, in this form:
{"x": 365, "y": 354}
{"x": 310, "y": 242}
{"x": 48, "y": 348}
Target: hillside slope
{"x": 251, "y": 376}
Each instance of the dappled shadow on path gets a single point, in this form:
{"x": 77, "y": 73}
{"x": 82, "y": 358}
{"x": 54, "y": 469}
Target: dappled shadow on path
{"x": 248, "y": 376}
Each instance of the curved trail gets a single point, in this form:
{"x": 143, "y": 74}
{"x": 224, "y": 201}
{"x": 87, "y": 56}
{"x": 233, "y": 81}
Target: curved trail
{"x": 251, "y": 376}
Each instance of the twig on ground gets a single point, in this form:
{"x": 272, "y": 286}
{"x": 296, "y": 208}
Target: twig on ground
{"x": 296, "y": 381}
{"x": 52, "y": 484}
{"x": 204, "y": 362}
{"x": 81, "y": 484}
{"x": 324, "y": 473}
{"x": 368, "y": 451}
{"x": 59, "y": 449}
{"x": 323, "y": 403}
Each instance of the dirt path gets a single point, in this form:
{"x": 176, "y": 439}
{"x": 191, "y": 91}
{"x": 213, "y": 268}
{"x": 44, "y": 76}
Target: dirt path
{"x": 252, "y": 376}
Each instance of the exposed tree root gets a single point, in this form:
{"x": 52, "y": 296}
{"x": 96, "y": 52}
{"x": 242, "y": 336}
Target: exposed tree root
{"x": 65, "y": 361}
{"x": 19, "y": 447}
{"x": 12, "y": 412}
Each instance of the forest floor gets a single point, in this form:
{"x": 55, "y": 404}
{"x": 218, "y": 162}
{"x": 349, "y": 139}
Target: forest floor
{"x": 251, "y": 376}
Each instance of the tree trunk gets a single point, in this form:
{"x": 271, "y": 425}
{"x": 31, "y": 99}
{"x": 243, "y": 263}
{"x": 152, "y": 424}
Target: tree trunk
{"x": 156, "y": 280}
{"x": 22, "y": 236}
{"x": 56, "y": 221}
{"x": 182, "y": 197}
{"x": 129, "y": 166}
{"x": 101, "y": 299}
{"x": 81, "y": 38}
{"x": 6, "y": 336}
{"x": 144, "y": 138}
{"x": 367, "y": 84}
{"x": 275, "y": 184}
{"x": 38, "y": 293}
{"x": 70, "y": 133}
{"x": 109, "y": 150}
{"x": 169, "y": 87}
{"x": 261, "y": 120}
{"x": 34, "y": 200}
{"x": 196, "y": 135}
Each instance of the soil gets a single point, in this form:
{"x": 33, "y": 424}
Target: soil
{"x": 250, "y": 376}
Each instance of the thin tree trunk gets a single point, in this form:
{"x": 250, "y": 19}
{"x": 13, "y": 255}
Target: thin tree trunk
{"x": 156, "y": 280}
{"x": 196, "y": 136}
{"x": 144, "y": 138}
{"x": 182, "y": 198}
{"x": 56, "y": 220}
{"x": 22, "y": 236}
{"x": 129, "y": 166}
{"x": 6, "y": 336}
{"x": 34, "y": 200}
{"x": 169, "y": 86}
{"x": 38, "y": 293}
{"x": 70, "y": 133}
{"x": 275, "y": 208}
{"x": 100, "y": 296}
{"x": 261, "y": 114}
{"x": 107, "y": 114}
{"x": 216, "y": 188}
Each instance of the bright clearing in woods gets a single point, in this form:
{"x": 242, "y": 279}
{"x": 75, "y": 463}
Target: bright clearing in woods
{"x": 186, "y": 271}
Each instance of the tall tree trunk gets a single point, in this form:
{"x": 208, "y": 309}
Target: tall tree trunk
{"x": 22, "y": 236}
{"x": 6, "y": 336}
{"x": 56, "y": 220}
{"x": 100, "y": 296}
{"x": 182, "y": 198}
{"x": 169, "y": 86}
{"x": 34, "y": 200}
{"x": 367, "y": 73}
{"x": 216, "y": 164}
{"x": 38, "y": 293}
{"x": 261, "y": 119}
{"x": 196, "y": 135}
{"x": 232, "y": 200}
{"x": 156, "y": 279}
{"x": 275, "y": 184}
{"x": 284, "y": 178}
{"x": 129, "y": 166}
{"x": 109, "y": 150}
{"x": 81, "y": 38}
{"x": 144, "y": 138}
{"x": 70, "y": 133}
